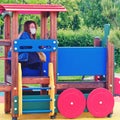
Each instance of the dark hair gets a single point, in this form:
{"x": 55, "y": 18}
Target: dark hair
{"x": 27, "y": 27}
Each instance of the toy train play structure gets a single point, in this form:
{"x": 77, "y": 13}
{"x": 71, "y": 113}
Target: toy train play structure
{"x": 69, "y": 98}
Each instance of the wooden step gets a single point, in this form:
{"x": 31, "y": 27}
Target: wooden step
{"x": 5, "y": 42}
{"x": 4, "y": 87}
{"x": 35, "y": 80}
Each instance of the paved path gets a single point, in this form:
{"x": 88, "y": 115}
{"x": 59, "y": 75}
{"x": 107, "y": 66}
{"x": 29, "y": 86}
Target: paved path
{"x": 117, "y": 75}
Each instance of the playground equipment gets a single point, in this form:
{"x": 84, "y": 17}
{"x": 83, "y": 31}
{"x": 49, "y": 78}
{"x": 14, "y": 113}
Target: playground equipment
{"x": 68, "y": 98}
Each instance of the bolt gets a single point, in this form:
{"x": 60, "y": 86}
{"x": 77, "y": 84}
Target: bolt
{"x": 15, "y": 109}
{"x": 110, "y": 85}
{"x": 119, "y": 82}
{"x": 54, "y": 42}
{"x": 100, "y": 102}
{"x": 15, "y": 48}
{"x": 71, "y": 103}
{"x": 15, "y": 101}
{"x": 54, "y": 48}
{"x": 15, "y": 88}
{"x": 44, "y": 71}
{"x": 15, "y": 42}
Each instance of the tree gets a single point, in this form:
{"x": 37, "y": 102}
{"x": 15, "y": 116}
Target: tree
{"x": 76, "y": 22}
{"x": 91, "y": 13}
{"x": 111, "y": 10}
{"x": 69, "y": 19}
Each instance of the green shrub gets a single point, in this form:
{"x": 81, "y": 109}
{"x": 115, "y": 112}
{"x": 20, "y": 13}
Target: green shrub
{"x": 82, "y": 37}
{"x": 115, "y": 39}
{"x": 1, "y": 36}
{"x": 117, "y": 58}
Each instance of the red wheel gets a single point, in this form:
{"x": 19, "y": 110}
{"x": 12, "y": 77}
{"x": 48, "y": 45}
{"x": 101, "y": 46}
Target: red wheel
{"x": 100, "y": 102}
{"x": 71, "y": 103}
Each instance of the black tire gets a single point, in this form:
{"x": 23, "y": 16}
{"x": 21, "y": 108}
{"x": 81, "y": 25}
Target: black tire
{"x": 14, "y": 118}
{"x": 109, "y": 115}
{"x": 53, "y": 117}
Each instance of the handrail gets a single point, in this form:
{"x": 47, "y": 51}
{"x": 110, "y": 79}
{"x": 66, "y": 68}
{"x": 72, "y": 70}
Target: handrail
{"x": 28, "y": 45}
{"x": 52, "y": 90}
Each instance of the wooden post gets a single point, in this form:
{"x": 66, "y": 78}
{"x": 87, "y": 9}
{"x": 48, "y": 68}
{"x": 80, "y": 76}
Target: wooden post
{"x": 44, "y": 25}
{"x": 53, "y": 35}
{"x": 6, "y": 65}
{"x": 97, "y": 42}
{"x": 14, "y": 65}
{"x": 44, "y": 36}
{"x": 110, "y": 67}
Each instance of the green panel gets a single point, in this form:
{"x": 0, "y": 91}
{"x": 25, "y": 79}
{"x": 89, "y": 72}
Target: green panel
{"x": 56, "y": 98}
{"x": 86, "y": 95}
{"x": 15, "y": 104}
{"x": 38, "y": 105}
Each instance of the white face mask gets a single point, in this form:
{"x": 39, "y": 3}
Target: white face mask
{"x": 33, "y": 31}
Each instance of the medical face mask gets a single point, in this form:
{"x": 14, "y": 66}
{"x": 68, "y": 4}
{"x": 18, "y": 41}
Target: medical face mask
{"x": 33, "y": 31}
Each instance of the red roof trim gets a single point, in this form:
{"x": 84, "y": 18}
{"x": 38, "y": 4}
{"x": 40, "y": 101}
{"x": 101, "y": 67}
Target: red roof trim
{"x": 32, "y": 8}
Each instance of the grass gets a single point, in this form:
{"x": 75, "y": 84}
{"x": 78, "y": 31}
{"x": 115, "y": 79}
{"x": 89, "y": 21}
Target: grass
{"x": 117, "y": 70}
{"x": 1, "y": 67}
{"x": 69, "y": 78}
{"x": 1, "y": 71}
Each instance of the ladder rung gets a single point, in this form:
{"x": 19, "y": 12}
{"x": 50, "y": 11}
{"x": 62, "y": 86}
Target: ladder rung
{"x": 36, "y": 100}
{"x": 37, "y": 89}
{"x": 35, "y": 80}
{"x": 36, "y": 111}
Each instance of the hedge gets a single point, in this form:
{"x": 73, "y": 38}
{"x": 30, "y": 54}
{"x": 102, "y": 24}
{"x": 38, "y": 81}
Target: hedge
{"x": 83, "y": 37}
{"x": 115, "y": 39}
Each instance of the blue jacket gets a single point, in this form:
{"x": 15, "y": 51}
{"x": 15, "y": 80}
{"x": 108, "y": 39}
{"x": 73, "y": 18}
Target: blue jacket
{"x": 28, "y": 58}
{"x": 30, "y": 61}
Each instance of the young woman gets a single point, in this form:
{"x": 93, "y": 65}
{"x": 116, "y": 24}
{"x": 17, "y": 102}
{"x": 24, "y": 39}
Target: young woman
{"x": 31, "y": 62}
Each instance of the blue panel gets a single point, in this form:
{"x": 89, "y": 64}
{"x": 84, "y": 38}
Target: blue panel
{"x": 36, "y": 88}
{"x": 82, "y": 61}
{"x": 36, "y": 111}
{"x": 45, "y": 64}
{"x": 28, "y": 45}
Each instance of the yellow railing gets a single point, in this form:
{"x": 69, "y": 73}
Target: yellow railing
{"x": 19, "y": 90}
{"x": 52, "y": 90}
